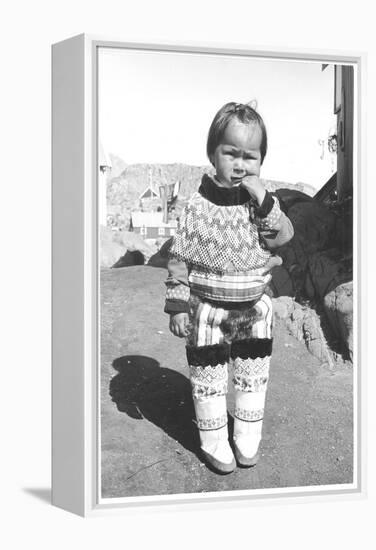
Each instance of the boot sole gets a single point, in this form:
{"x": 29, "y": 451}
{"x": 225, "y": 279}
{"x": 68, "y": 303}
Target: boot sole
{"x": 218, "y": 466}
{"x": 245, "y": 461}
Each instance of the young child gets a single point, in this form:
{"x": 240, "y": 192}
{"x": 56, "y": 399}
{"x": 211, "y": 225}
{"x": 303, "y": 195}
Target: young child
{"x": 219, "y": 265}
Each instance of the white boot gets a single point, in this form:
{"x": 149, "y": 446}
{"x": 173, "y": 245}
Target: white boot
{"x": 248, "y": 415}
{"x": 211, "y": 414}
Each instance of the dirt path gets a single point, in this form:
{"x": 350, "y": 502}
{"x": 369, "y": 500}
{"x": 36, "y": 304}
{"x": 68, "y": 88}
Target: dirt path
{"x": 149, "y": 441}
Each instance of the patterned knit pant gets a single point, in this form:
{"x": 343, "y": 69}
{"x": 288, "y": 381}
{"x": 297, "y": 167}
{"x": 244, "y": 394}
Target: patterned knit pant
{"x": 223, "y": 340}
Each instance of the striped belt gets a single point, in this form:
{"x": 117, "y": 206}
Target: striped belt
{"x": 234, "y": 286}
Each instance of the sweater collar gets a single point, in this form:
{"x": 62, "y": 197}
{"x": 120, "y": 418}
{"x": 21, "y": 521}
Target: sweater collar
{"x": 221, "y": 196}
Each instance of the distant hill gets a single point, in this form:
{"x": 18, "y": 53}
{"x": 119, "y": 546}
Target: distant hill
{"x": 127, "y": 182}
{"x": 118, "y": 165}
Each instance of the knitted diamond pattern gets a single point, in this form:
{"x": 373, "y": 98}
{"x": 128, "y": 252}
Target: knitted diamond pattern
{"x": 208, "y": 381}
{"x": 251, "y": 367}
{"x": 251, "y": 375}
{"x": 219, "y": 238}
{"x": 206, "y": 375}
{"x": 272, "y": 219}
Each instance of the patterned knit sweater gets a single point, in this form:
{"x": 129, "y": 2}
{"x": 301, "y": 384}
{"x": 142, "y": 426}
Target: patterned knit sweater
{"x": 217, "y": 252}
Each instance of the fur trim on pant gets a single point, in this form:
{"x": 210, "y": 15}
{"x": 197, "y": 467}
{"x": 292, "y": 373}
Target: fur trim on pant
{"x": 251, "y": 348}
{"x": 208, "y": 355}
{"x": 237, "y": 322}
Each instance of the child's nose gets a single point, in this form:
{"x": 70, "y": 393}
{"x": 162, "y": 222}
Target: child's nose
{"x": 239, "y": 164}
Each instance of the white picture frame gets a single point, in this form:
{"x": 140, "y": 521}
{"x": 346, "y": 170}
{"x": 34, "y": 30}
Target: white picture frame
{"x": 75, "y": 289}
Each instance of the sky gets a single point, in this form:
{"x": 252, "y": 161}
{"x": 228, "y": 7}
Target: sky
{"x": 156, "y": 107}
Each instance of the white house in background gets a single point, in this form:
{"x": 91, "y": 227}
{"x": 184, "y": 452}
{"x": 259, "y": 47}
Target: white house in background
{"x": 149, "y": 193}
{"x": 150, "y": 198}
{"x": 104, "y": 166}
{"x": 150, "y": 225}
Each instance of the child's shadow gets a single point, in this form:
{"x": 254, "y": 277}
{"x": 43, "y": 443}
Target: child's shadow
{"x": 143, "y": 389}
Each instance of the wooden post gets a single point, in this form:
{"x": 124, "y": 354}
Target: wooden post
{"x": 345, "y": 135}
{"x": 164, "y": 202}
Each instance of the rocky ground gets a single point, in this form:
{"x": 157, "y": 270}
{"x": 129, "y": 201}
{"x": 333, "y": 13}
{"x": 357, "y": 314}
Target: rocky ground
{"x": 149, "y": 443}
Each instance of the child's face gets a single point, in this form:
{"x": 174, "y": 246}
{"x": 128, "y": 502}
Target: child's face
{"x": 238, "y": 155}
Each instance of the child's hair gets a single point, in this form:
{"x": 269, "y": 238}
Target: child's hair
{"x": 244, "y": 114}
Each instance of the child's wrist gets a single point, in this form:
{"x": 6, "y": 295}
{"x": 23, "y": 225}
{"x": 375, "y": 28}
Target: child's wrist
{"x": 255, "y": 188}
{"x": 266, "y": 206}
{"x": 260, "y": 196}
{"x": 257, "y": 195}
{"x": 174, "y": 307}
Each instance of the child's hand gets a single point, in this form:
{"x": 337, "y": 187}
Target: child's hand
{"x": 179, "y": 324}
{"x": 254, "y": 187}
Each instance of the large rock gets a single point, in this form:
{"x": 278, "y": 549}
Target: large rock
{"x": 316, "y": 229}
{"x": 157, "y": 260}
{"x": 338, "y": 304}
{"x": 160, "y": 258}
{"x": 283, "y": 307}
{"x": 315, "y": 225}
{"x": 123, "y": 248}
{"x": 110, "y": 250}
{"x": 317, "y": 266}
{"x": 133, "y": 241}
{"x": 282, "y": 283}
{"x": 326, "y": 270}
{"x": 131, "y": 257}
{"x": 304, "y": 324}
